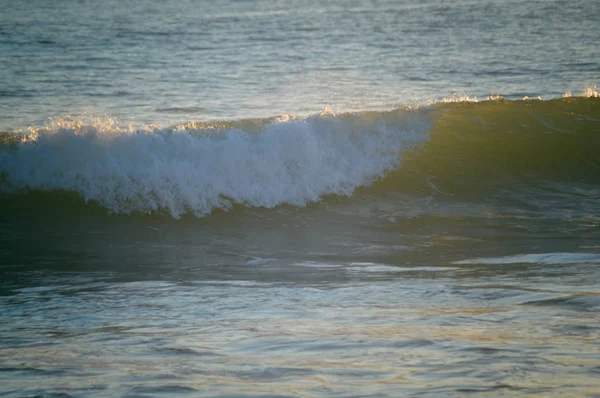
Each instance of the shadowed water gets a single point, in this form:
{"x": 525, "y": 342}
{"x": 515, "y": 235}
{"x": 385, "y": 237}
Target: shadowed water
{"x": 320, "y": 301}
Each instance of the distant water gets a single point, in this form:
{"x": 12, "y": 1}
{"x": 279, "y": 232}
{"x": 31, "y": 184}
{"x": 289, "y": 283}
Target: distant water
{"x": 175, "y": 61}
{"x": 299, "y": 198}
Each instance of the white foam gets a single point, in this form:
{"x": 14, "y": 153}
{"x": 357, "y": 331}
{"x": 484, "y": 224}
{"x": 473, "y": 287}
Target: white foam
{"x": 314, "y": 264}
{"x": 541, "y": 258}
{"x": 289, "y": 161}
{"x": 260, "y": 261}
{"x": 375, "y": 267}
{"x": 590, "y": 92}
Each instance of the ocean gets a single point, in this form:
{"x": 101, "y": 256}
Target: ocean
{"x": 251, "y": 198}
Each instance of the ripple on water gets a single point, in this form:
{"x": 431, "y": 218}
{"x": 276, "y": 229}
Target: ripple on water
{"x": 166, "y": 390}
{"x": 578, "y": 302}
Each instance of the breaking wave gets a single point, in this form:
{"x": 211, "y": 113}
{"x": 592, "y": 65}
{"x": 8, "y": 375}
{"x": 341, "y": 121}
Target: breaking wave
{"x": 454, "y": 148}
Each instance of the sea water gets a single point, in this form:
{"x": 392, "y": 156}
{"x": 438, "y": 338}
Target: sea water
{"x": 299, "y": 198}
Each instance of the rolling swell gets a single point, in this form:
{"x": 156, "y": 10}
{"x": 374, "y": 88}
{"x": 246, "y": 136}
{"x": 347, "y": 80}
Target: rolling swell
{"x": 461, "y": 149}
{"x": 478, "y": 147}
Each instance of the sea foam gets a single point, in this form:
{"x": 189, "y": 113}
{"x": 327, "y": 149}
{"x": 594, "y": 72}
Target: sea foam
{"x": 198, "y": 169}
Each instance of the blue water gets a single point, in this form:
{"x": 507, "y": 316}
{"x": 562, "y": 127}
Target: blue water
{"x": 166, "y": 62}
{"x": 299, "y": 198}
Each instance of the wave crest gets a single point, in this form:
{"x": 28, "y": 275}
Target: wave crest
{"x": 202, "y": 166}
{"x": 450, "y": 149}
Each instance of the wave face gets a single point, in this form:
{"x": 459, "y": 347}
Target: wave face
{"x": 458, "y": 149}
{"x": 476, "y": 147}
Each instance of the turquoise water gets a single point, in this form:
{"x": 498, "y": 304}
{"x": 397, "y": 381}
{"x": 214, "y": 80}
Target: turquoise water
{"x": 299, "y": 199}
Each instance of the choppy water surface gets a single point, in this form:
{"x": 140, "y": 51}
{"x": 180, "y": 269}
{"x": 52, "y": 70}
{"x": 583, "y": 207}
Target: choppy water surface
{"x": 166, "y": 62}
{"x": 385, "y": 331}
{"x": 330, "y": 300}
{"x": 310, "y": 203}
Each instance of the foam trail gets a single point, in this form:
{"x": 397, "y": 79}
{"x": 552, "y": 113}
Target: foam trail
{"x": 200, "y": 169}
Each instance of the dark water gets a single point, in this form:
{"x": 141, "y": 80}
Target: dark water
{"x": 371, "y": 240}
